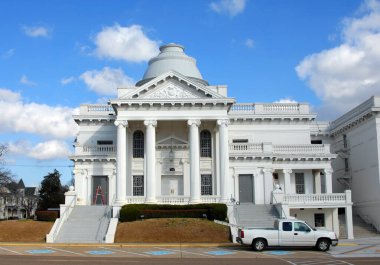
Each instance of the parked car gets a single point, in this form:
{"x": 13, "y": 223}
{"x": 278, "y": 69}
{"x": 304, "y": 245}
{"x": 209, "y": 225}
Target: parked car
{"x": 287, "y": 232}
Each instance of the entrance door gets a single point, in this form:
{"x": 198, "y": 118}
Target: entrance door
{"x": 172, "y": 185}
{"x": 246, "y": 188}
{"x": 99, "y": 190}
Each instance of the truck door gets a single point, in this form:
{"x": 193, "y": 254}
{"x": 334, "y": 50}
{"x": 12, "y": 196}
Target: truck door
{"x": 285, "y": 234}
{"x": 303, "y": 235}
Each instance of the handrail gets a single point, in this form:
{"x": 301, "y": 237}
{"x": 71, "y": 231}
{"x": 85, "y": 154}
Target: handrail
{"x": 107, "y": 214}
{"x": 64, "y": 217}
{"x": 275, "y": 202}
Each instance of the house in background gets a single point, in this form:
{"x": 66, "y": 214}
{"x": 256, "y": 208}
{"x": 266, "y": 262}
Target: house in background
{"x": 355, "y": 137}
{"x": 18, "y": 201}
{"x": 175, "y": 139}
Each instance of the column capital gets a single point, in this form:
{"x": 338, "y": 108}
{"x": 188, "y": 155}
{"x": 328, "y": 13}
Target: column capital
{"x": 287, "y": 171}
{"x": 150, "y": 122}
{"x": 328, "y": 171}
{"x": 268, "y": 170}
{"x": 223, "y": 122}
{"x": 257, "y": 171}
{"x": 194, "y": 122}
{"x": 123, "y": 123}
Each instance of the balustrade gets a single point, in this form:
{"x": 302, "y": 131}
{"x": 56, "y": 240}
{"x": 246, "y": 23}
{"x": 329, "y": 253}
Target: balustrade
{"x": 328, "y": 198}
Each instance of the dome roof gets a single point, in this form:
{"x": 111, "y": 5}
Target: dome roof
{"x": 172, "y": 57}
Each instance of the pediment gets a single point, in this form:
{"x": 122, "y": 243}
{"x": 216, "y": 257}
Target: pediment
{"x": 172, "y": 86}
{"x": 171, "y": 140}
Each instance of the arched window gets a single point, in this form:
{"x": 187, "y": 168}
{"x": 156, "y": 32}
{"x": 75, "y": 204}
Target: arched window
{"x": 138, "y": 144}
{"x": 205, "y": 143}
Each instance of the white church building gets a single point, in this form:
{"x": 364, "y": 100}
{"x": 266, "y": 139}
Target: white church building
{"x": 174, "y": 138}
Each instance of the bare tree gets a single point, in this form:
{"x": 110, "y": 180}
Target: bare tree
{"x": 29, "y": 203}
{"x": 6, "y": 176}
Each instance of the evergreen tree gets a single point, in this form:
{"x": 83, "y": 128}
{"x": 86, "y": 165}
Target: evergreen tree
{"x": 51, "y": 192}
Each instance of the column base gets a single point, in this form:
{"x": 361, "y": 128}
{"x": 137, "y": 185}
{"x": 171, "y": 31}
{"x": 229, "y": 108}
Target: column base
{"x": 118, "y": 203}
{"x": 151, "y": 201}
{"x": 195, "y": 201}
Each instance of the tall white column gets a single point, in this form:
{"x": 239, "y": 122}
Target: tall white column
{"x": 121, "y": 163}
{"x": 150, "y": 147}
{"x": 317, "y": 182}
{"x": 225, "y": 180}
{"x": 268, "y": 184}
{"x": 287, "y": 185}
{"x": 328, "y": 179}
{"x": 195, "y": 178}
{"x": 349, "y": 223}
{"x": 259, "y": 186}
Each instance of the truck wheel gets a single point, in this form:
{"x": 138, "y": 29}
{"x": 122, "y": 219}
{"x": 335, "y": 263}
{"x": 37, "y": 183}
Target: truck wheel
{"x": 259, "y": 244}
{"x": 323, "y": 244}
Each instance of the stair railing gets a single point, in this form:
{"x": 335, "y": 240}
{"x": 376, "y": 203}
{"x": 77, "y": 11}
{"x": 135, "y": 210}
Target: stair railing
{"x": 63, "y": 218}
{"x": 107, "y": 215}
{"x": 277, "y": 204}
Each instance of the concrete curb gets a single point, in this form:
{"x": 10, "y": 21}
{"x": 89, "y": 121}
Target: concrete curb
{"x": 123, "y": 245}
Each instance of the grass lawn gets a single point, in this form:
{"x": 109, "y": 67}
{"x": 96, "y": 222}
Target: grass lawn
{"x": 24, "y": 230}
{"x": 172, "y": 230}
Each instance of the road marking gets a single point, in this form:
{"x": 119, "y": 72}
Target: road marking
{"x": 160, "y": 253}
{"x": 40, "y": 251}
{"x": 123, "y": 251}
{"x": 63, "y": 250}
{"x": 19, "y": 253}
{"x": 184, "y": 251}
{"x": 99, "y": 252}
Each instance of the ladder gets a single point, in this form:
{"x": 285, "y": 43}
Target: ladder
{"x": 99, "y": 193}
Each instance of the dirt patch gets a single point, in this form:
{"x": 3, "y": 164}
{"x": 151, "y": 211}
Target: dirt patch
{"x": 24, "y": 231}
{"x": 172, "y": 230}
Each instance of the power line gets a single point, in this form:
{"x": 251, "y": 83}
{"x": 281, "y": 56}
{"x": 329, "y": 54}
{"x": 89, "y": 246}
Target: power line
{"x": 62, "y": 166}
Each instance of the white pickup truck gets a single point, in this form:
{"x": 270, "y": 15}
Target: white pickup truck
{"x": 287, "y": 232}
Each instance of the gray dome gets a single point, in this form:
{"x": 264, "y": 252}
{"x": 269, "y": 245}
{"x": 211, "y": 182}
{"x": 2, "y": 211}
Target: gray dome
{"x": 172, "y": 57}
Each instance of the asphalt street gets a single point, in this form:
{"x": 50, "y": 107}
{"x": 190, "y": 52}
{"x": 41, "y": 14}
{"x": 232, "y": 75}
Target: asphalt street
{"x": 349, "y": 253}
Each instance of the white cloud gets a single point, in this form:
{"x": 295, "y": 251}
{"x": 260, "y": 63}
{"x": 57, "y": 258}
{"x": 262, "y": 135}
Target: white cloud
{"x": 250, "y": 43}
{"x": 229, "y": 7}
{"x": 35, "y": 32}
{"x": 48, "y": 150}
{"x": 286, "y": 100}
{"x": 67, "y": 80}
{"x": 24, "y": 80}
{"x": 9, "y": 95}
{"x": 50, "y": 121}
{"x": 125, "y": 43}
{"x": 9, "y": 53}
{"x": 345, "y": 75}
{"x": 106, "y": 81}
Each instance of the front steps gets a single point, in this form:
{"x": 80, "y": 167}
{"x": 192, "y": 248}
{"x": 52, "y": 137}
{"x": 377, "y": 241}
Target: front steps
{"x": 255, "y": 215}
{"x": 86, "y": 224}
{"x": 360, "y": 227}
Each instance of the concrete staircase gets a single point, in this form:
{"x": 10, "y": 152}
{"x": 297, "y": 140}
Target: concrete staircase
{"x": 360, "y": 227}
{"x": 251, "y": 215}
{"x": 86, "y": 224}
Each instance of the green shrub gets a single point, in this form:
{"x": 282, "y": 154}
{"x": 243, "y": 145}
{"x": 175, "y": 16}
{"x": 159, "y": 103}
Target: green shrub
{"x": 133, "y": 212}
{"x": 47, "y": 215}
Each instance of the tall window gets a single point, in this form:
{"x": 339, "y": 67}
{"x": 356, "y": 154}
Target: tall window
{"x": 205, "y": 143}
{"x": 300, "y": 183}
{"x": 138, "y": 144}
{"x": 138, "y": 185}
{"x": 206, "y": 184}
{"x": 319, "y": 219}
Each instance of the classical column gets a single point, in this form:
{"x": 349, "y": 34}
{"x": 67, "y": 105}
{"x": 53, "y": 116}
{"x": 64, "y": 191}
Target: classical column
{"x": 121, "y": 163}
{"x": 150, "y": 158}
{"x": 317, "y": 181}
{"x": 259, "y": 186}
{"x": 225, "y": 180}
{"x": 268, "y": 184}
{"x": 328, "y": 179}
{"x": 195, "y": 179}
{"x": 287, "y": 185}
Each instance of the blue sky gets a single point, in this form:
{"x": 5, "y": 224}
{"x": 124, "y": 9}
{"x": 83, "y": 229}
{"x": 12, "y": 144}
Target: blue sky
{"x": 55, "y": 55}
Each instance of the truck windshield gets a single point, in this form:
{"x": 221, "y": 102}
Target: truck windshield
{"x": 311, "y": 226}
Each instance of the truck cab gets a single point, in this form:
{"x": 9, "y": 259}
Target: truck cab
{"x": 287, "y": 232}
